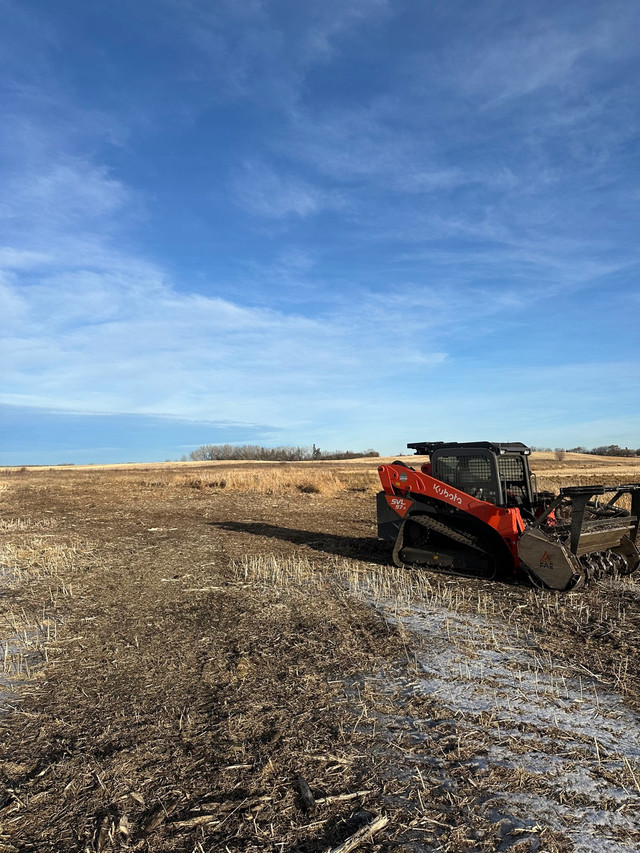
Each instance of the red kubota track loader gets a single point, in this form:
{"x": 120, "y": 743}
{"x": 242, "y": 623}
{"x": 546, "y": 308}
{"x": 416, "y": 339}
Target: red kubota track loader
{"x": 474, "y": 509}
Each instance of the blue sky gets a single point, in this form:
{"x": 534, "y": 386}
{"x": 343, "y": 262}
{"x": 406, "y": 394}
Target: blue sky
{"x": 354, "y": 224}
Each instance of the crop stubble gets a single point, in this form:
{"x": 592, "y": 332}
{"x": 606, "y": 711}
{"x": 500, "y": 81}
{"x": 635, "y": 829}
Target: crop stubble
{"x": 179, "y": 652}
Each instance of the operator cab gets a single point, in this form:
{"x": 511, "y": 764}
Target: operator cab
{"x": 496, "y": 473}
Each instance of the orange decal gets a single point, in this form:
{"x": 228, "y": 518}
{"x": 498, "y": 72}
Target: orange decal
{"x": 400, "y": 505}
{"x": 545, "y": 561}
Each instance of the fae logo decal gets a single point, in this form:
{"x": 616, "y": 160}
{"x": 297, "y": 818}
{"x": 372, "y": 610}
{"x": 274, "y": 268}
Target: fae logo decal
{"x": 445, "y": 493}
{"x": 546, "y": 562}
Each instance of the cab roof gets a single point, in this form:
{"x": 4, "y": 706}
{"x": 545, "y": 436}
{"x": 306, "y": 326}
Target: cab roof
{"x": 425, "y": 448}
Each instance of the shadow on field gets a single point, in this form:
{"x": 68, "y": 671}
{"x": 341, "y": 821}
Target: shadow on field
{"x": 355, "y": 547}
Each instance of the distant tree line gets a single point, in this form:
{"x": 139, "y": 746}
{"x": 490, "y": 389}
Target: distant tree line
{"x": 607, "y": 450}
{"x": 225, "y": 452}
{"x": 603, "y": 450}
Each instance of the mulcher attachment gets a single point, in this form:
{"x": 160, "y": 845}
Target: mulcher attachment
{"x": 549, "y": 564}
{"x": 595, "y": 538}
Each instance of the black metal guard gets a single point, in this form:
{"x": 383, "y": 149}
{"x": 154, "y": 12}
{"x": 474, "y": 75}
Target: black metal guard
{"x": 580, "y": 497}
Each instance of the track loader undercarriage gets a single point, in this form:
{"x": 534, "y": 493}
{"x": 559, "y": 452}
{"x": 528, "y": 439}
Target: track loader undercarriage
{"x": 473, "y": 510}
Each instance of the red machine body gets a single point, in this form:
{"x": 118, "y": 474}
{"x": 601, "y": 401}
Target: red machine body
{"x": 474, "y": 509}
{"x": 399, "y": 482}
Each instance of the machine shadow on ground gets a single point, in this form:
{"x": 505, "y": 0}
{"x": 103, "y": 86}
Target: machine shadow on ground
{"x": 353, "y": 547}
{"x": 367, "y": 550}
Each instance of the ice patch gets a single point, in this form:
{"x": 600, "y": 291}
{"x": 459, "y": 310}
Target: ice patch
{"x": 571, "y": 742}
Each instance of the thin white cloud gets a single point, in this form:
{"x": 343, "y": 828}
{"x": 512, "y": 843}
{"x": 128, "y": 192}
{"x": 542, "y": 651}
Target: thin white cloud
{"x": 260, "y": 52}
{"x": 101, "y": 343}
{"x": 58, "y": 205}
{"x": 17, "y": 259}
{"x": 64, "y": 194}
{"x": 494, "y": 58}
{"x": 351, "y": 144}
{"x": 519, "y": 65}
{"x": 370, "y": 150}
{"x": 335, "y": 20}
{"x": 262, "y": 191}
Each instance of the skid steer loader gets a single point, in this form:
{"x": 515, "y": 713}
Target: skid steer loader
{"x": 474, "y": 509}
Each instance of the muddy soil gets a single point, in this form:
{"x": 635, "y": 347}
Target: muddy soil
{"x": 203, "y": 655}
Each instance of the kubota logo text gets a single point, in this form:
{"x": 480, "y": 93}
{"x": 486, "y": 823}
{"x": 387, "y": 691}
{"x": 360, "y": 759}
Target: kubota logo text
{"x": 452, "y": 496}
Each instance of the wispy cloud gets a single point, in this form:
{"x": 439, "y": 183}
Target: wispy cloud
{"x": 264, "y": 51}
{"x": 517, "y": 65}
{"x": 268, "y": 213}
{"x": 64, "y": 195}
{"x": 96, "y": 343}
{"x": 262, "y": 191}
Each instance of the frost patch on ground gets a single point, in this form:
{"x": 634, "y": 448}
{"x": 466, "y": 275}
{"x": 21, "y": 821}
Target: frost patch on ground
{"x": 564, "y": 748}
{"x": 481, "y": 666}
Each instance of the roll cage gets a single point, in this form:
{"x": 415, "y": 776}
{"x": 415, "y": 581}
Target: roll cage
{"x": 497, "y": 473}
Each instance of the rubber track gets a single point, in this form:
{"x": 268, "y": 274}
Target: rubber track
{"x": 467, "y": 541}
{"x": 439, "y": 527}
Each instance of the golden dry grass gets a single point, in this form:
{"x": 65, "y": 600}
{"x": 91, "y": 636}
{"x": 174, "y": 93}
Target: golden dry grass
{"x": 330, "y": 478}
{"x": 321, "y": 479}
{"x": 33, "y": 558}
{"x": 326, "y": 479}
{"x": 38, "y": 558}
{"x": 274, "y": 481}
{"x": 27, "y": 523}
{"x": 27, "y": 632}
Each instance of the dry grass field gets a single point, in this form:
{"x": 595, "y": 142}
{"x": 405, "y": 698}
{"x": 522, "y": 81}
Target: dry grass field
{"x": 186, "y": 647}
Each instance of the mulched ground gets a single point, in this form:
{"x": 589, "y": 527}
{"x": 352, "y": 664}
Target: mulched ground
{"x": 182, "y": 702}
